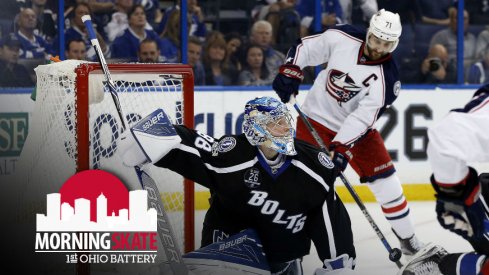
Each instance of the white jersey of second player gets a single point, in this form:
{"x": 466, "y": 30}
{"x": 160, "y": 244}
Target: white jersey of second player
{"x": 352, "y": 92}
{"x": 460, "y": 138}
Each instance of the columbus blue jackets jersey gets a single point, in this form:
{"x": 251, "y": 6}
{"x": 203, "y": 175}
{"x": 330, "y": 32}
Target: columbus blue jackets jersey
{"x": 287, "y": 205}
{"x": 351, "y": 93}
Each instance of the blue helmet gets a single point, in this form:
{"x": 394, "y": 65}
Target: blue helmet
{"x": 267, "y": 121}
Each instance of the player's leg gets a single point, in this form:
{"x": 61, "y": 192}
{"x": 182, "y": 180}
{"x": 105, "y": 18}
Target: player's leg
{"x": 374, "y": 165}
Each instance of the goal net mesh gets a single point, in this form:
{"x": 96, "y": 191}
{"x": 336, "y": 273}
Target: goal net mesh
{"x": 52, "y": 150}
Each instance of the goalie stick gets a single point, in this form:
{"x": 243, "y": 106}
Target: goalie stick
{"x": 394, "y": 253}
{"x": 165, "y": 231}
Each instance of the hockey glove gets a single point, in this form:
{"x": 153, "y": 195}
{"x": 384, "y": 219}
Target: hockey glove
{"x": 340, "y": 155}
{"x": 149, "y": 140}
{"x": 460, "y": 210}
{"x": 287, "y": 81}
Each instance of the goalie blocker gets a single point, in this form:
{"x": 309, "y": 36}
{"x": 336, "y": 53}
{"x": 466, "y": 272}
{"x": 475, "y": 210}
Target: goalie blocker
{"x": 155, "y": 136}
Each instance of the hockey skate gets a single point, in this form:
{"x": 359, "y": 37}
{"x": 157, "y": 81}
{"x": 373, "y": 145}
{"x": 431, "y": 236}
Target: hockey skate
{"x": 425, "y": 261}
{"x": 411, "y": 245}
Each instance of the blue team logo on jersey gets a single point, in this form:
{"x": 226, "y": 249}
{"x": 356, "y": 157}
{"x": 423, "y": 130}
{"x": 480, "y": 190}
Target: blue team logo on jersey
{"x": 325, "y": 161}
{"x": 341, "y": 86}
{"x": 226, "y": 144}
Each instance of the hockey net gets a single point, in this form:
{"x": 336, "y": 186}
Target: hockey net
{"x": 76, "y": 127}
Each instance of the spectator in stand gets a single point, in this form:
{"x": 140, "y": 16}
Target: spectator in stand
{"x": 407, "y": 9}
{"x": 261, "y": 35}
{"x": 285, "y": 22}
{"x": 102, "y": 11}
{"x": 13, "y": 74}
{"x": 76, "y": 49}
{"x": 448, "y": 38}
{"x": 78, "y": 31}
{"x": 482, "y": 43}
{"x": 170, "y": 42}
{"x": 478, "y": 10}
{"x": 33, "y": 46}
{"x": 479, "y": 72}
{"x": 216, "y": 71}
{"x": 255, "y": 72}
{"x": 234, "y": 41}
{"x": 194, "y": 53}
{"x": 151, "y": 9}
{"x": 358, "y": 12}
{"x": 434, "y": 12}
{"x": 149, "y": 51}
{"x": 10, "y": 8}
{"x": 127, "y": 45}
{"x": 436, "y": 68}
{"x": 118, "y": 23}
{"x": 331, "y": 14}
{"x": 197, "y": 25}
{"x": 46, "y": 26}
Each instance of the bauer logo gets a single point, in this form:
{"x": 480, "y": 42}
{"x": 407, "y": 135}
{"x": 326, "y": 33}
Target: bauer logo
{"x": 94, "y": 212}
{"x": 13, "y": 132}
{"x": 156, "y": 124}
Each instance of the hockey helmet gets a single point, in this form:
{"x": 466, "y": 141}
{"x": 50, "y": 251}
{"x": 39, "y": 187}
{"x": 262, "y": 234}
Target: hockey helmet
{"x": 267, "y": 122}
{"x": 387, "y": 26}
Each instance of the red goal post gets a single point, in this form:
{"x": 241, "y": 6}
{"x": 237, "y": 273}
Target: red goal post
{"x": 82, "y": 87}
{"x": 75, "y": 127}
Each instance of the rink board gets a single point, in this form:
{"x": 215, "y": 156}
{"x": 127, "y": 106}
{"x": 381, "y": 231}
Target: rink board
{"x": 219, "y": 111}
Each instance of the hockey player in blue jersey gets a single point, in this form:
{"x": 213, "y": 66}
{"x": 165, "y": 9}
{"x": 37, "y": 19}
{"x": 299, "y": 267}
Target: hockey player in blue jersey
{"x": 359, "y": 82}
{"x": 263, "y": 179}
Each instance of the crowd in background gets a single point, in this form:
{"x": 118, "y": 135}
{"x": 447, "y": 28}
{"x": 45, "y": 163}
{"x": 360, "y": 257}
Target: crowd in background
{"x": 148, "y": 31}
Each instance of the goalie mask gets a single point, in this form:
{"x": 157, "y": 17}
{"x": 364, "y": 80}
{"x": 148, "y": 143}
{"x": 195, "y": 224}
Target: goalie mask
{"x": 267, "y": 122}
{"x": 386, "y": 26}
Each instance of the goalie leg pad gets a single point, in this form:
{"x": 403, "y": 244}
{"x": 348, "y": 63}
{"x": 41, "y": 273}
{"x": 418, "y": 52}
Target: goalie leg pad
{"x": 425, "y": 261}
{"x": 154, "y": 135}
{"x": 239, "y": 254}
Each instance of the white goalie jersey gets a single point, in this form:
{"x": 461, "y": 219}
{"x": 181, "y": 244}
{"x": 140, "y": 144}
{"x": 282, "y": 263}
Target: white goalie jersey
{"x": 351, "y": 93}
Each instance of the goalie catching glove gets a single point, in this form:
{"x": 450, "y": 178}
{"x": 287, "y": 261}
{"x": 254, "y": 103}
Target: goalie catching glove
{"x": 287, "y": 81}
{"x": 149, "y": 140}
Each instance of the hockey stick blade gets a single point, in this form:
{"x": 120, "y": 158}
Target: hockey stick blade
{"x": 164, "y": 232}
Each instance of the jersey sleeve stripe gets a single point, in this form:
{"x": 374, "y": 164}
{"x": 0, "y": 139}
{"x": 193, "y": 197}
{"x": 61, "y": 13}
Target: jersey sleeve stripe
{"x": 219, "y": 170}
{"x": 189, "y": 149}
{"x": 311, "y": 173}
{"x": 232, "y": 169}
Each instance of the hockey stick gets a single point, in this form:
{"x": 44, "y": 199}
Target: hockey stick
{"x": 394, "y": 253}
{"x": 165, "y": 231}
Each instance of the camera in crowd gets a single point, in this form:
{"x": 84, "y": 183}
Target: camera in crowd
{"x": 435, "y": 64}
